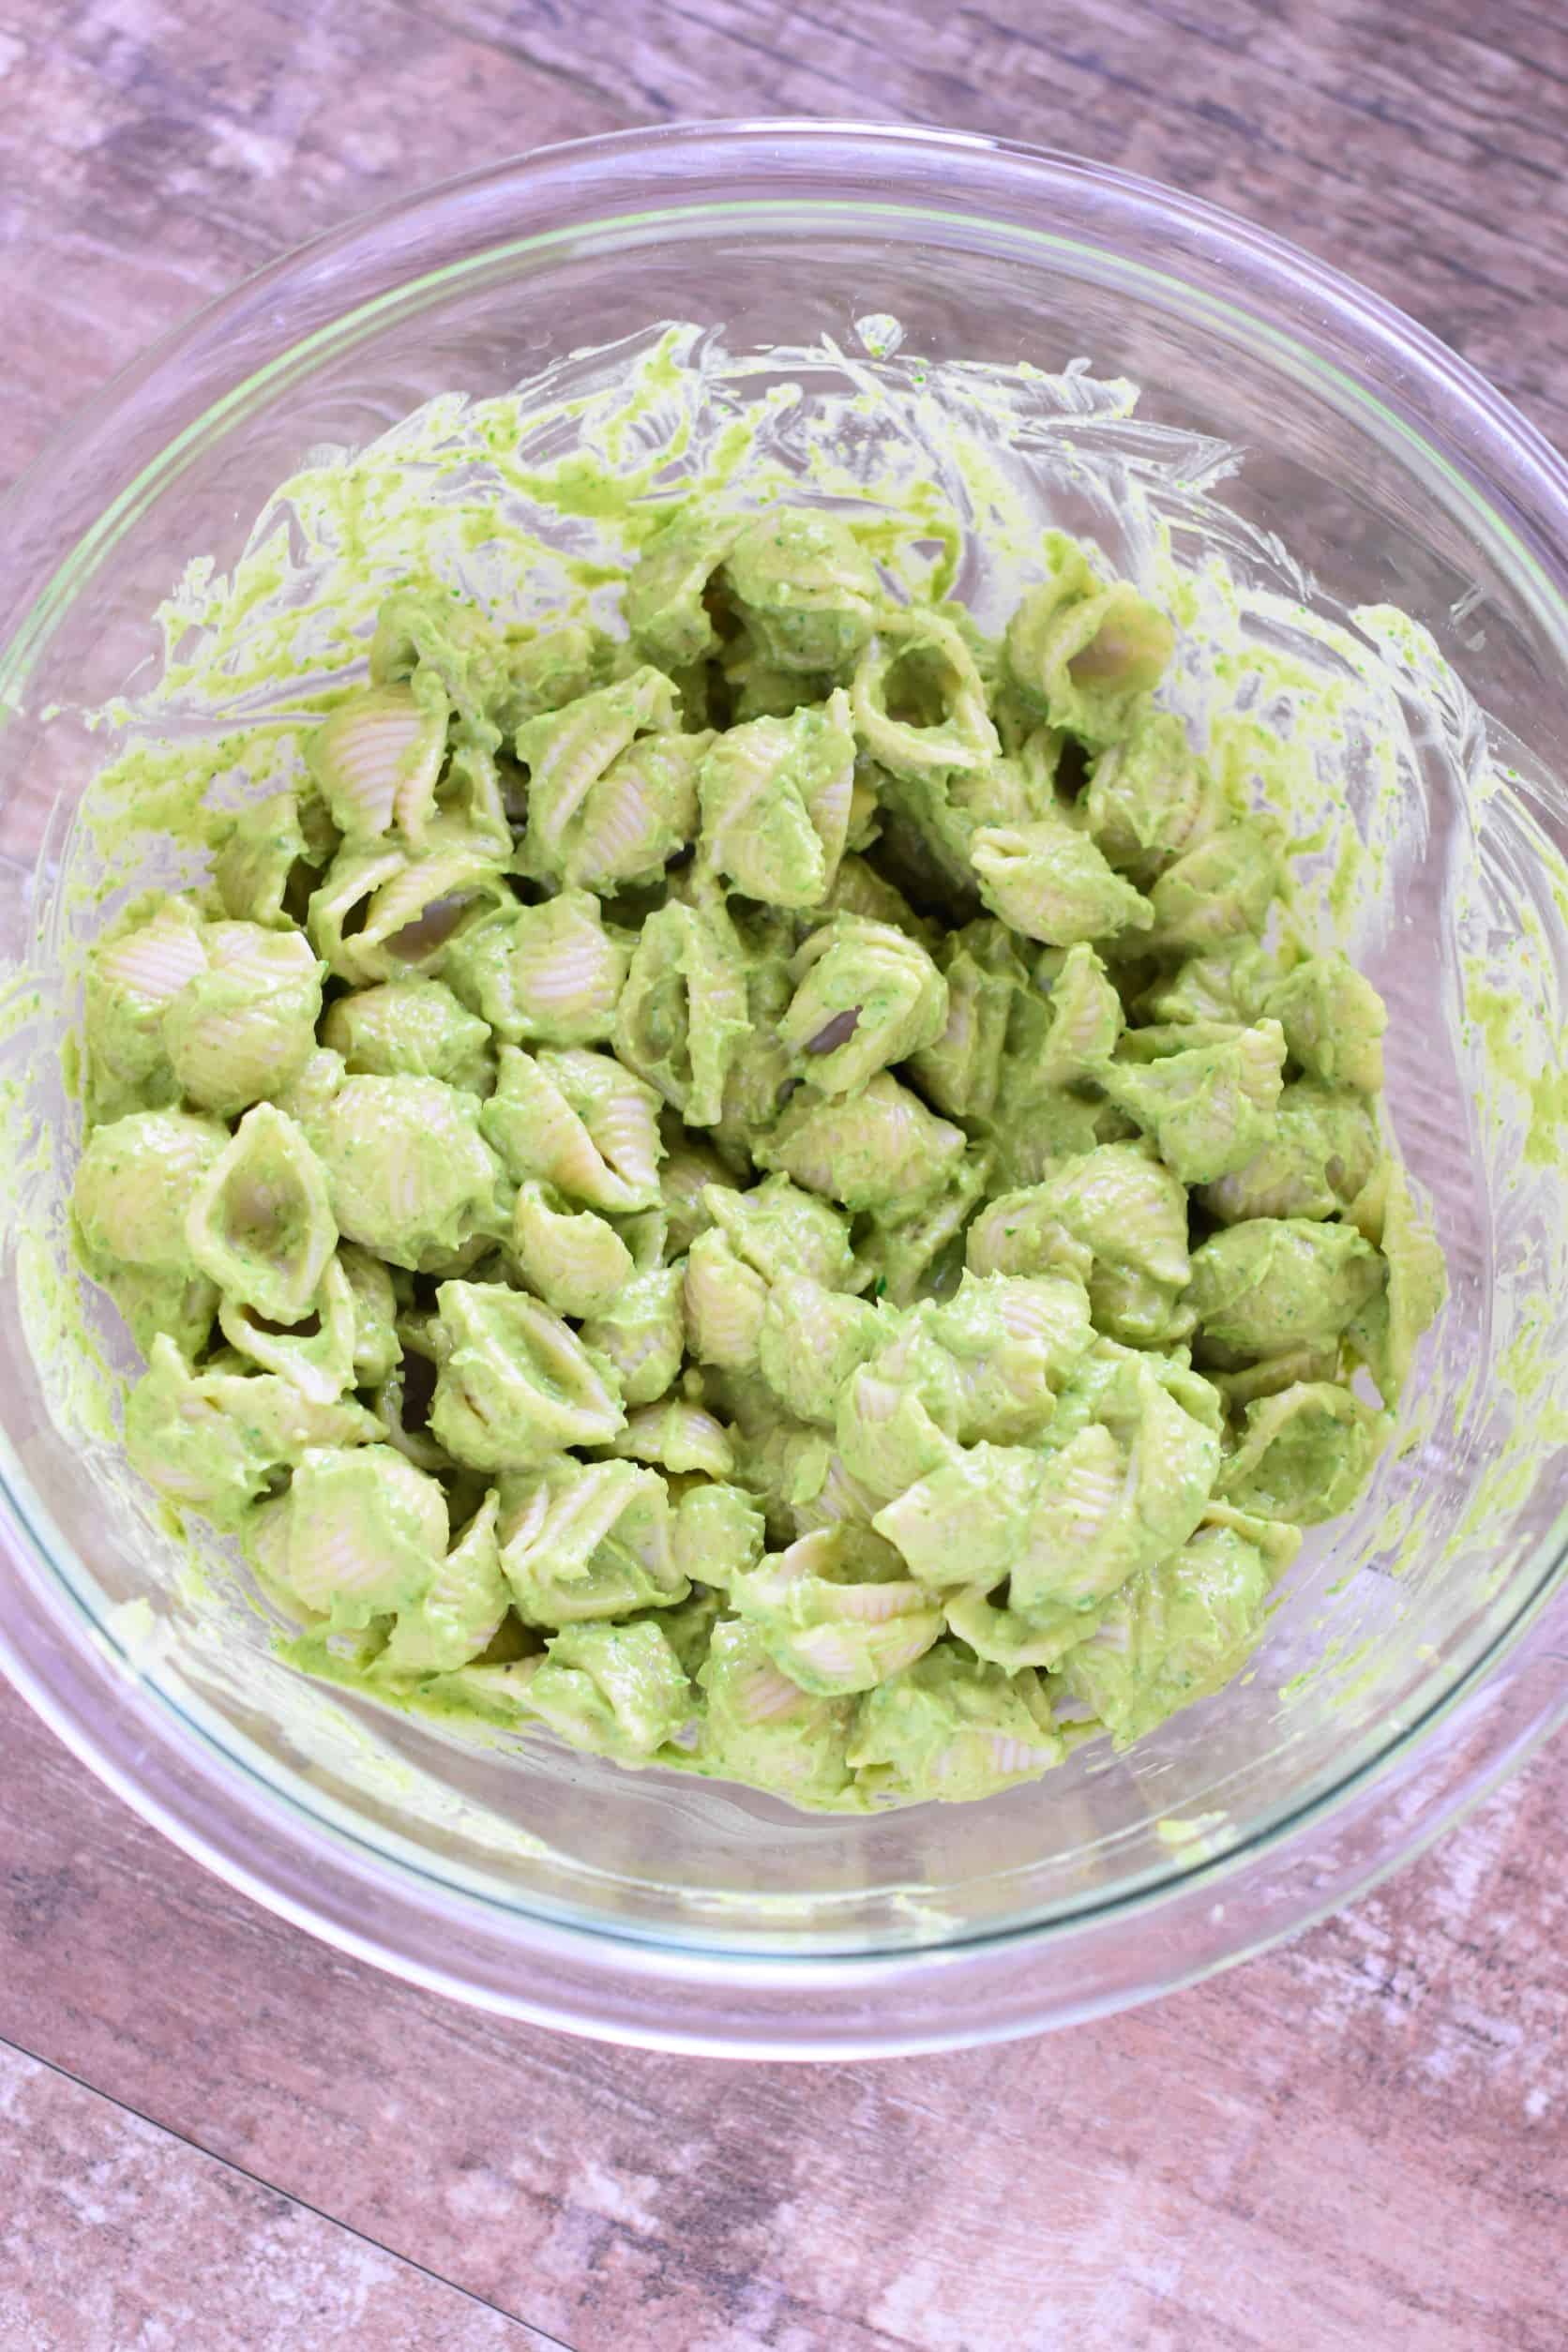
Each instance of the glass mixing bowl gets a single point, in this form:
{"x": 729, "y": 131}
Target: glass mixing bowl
{"x": 1419, "y": 1651}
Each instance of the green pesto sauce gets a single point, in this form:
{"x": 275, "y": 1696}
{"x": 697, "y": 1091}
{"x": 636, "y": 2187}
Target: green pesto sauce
{"x": 1050, "y": 1247}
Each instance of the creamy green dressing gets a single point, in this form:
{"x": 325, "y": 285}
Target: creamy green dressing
{"x": 804, "y": 1275}
{"x": 756, "y": 1167}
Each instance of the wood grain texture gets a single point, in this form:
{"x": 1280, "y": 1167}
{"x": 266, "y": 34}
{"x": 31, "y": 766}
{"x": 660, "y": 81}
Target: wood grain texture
{"x": 118, "y": 2234}
{"x": 159, "y": 149}
{"x": 1360, "y": 2142}
{"x": 1353, "y": 2144}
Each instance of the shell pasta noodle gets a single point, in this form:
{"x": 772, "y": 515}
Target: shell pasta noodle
{"x": 784, "y": 1195}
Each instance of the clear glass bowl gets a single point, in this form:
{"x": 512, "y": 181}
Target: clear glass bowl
{"x": 1420, "y": 1651}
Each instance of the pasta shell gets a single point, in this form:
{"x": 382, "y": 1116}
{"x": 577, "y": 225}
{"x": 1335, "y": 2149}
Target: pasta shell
{"x": 864, "y": 996}
{"x": 579, "y": 1121}
{"x": 808, "y": 590}
{"x": 839, "y": 1498}
{"x": 426, "y": 633}
{"x": 566, "y": 972}
{"x": 582, "y": 1541}
{"x": 1219, "y": 890}
{"x": 881, "y": 1150}
{"x": 408, "y": 1027}
{"x": 153, "y": 1304}
{"x": 1334, "y": 1021}
{"x": 724, "y": 1301}
{"x": 617, "y": 1689}
{"x": 215, "y": 1438}
{"x": 637, "y": 815}
{"x": 962, "y": 1522}
{"x": 1150, "y": 797}
{"x": 621, "y": 1115}
{"x": 1084, "y": 650}
{"x": 365, "y": 1533}
{"x": 381, "y": 913}
{"x": 1211, "y": 1108}
{"x": 642, "y": 1334}
{"x": 1005, "y": 1639}
{"x": 319, "y": 1363}
{"x": 960, "y": 1071}
{"x": 1086, "y": 1020}
{"x": 377, "y": 756}
{"x": 831, "y": 1613}
{"x": 409, "y": 1176}
{"x": 133, "y": 1185}
{"x": 1051, "y": 882}
{"x": 683, "y": 1010}
{"x": 150, "y": 965}
{"x": 774, "y": 798}
{"x": 574, "y": 1260}
{"x": 837, "y": 1659}
{"x": 257, "y": 863}
{"x": 245, "y": 1026}
{"x": 516, "y": 1383}
{"x": 566, "y": 753}
{"x": 687, "y": 1170}
{"x": 951, "y": 1726}
{"x": 718, "y": 1534}
{"x": 928, "y": 652}
{"x": 375, "y": 1310}
{"x": 665, "y": 595}
{"x": 679, "y": 1438}
{"x": 460, "y": 1610}
{"x": 762, "y": 1693}
{"x": 809, "y": 1341}
{"x": 260, "y": 1223}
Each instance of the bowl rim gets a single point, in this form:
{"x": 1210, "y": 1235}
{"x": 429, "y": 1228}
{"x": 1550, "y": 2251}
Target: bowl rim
{"x": 603, "y": 1984}
{"x": 1535, "y": 503}
{"x": 799, "y": 143}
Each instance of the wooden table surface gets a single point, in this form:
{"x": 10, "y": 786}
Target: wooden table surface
{"x": 216, "y": 2132}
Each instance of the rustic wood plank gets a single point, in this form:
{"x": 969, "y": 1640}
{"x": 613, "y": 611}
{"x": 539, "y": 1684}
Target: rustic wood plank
{"x": 161, "y": 149}
{"x": 1357, "y": 2141}
{"x": 119, "y": 2234}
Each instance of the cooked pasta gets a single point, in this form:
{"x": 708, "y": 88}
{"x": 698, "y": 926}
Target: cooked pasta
{"x": 256, "y": 865}
{"x": 410, "y": 1028}
{"x": 682, "y": 1008}
{"x": 656, "y": 1182}
{"x": 548, "y": 975}
{"x": 260, "y": 1223}
{"x": 775, "y": 795}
